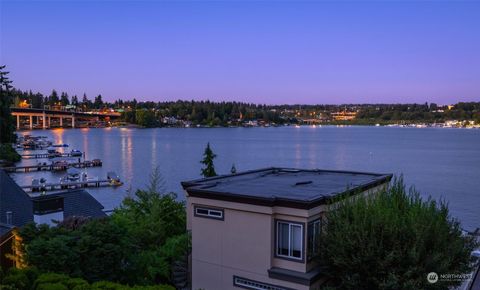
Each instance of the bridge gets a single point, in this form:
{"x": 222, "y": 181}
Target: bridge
{"x": 28, "y": 118}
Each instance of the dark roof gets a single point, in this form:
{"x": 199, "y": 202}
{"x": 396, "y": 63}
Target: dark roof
{"x": 14, "y": 199}
{"x": 4, "y": 228}
{"x": 298, "y": 188}
{"x": 77, "y": 203}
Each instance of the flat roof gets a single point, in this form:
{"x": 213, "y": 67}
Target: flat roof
{"x": 298, "y": 188}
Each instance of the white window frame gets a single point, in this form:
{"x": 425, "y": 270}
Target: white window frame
{"x": 219, "y": 213}
{"x": 312, "y": 249}
{"x": 290, "y": 250}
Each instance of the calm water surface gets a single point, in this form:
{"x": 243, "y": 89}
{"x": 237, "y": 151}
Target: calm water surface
{"x": 443, "y": 163}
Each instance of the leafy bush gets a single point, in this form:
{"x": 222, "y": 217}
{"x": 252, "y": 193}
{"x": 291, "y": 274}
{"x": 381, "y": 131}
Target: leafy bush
{"x": 391, "y": 240}
{"x": 93, "y": 251}
{"x": 8, "y": 153}
{"x": 137, "y": 244}
{"x": 17, "y": 279}
{"x": 51, "y": 286}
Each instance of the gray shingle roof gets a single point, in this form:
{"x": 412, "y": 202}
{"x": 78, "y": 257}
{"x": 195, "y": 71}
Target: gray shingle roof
{"x": 14, "y": 199}
{"x": 78, "y": 203}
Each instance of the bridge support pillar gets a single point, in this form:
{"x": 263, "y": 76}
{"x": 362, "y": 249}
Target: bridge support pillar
{"x": 44, "y": 121}
{"x": 73, "y": 121}
{"x": 61, "y": 122}
{"x": 18, "y": 122}
{"x": 31, "y": 122}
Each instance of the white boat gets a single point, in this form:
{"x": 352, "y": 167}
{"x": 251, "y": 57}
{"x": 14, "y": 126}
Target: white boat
{"x": 72, "y": 175}
{"x": 76, "y": 153}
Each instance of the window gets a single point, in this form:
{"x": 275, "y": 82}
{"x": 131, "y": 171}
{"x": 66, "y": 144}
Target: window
{"x": 254, "y": 285}
{"x": 313, "y": 236}
{"x": 47, "y": 205}
{"x": 207, "y": 212}
{"x": 289, "y": 240}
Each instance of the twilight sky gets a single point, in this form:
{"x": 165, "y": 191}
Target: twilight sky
{"x": 258, "y": 51}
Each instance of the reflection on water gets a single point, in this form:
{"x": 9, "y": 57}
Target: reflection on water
{"x": 440, "y": 162}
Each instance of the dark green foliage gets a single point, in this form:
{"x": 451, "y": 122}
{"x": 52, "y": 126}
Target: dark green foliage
{"x": 391, "y": 241}
{"x": 24, "y": 280}
{"x": 18, "y": 279}
{"x": 93, "y": 251}
{"x": 208, "y": 156}
{"x": 7, "y": 126}
{"x": 156, "y": 226}
{"x": 8, "y": 153}
{"x": 53, "y": 99}
{"x": 98, "y": 103}
{"x": 137, "y": 244}
{"x": 146, "y": 118}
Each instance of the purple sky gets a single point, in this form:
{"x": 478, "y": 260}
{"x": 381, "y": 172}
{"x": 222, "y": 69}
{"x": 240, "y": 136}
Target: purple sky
{"x": 262, "y": 52}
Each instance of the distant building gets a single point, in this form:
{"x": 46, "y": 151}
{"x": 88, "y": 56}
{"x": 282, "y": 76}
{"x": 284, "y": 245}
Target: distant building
{"x": 344, "y": 116}
{"x": 259, "y": 229}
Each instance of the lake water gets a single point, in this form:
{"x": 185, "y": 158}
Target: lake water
{"x": 443, "y": 163}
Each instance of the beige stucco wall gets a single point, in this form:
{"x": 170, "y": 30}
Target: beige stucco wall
{"x": 239, "y": 245}
{"x": 243, "y": 243}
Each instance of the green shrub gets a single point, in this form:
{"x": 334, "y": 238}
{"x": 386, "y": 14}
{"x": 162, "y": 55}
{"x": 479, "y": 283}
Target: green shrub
{"x": 8, "y": 153}
{"x": 391, "y": 240}
{"x": 52, "y": 286}
{"x": 106, "y": 285}
{"x": 50, "y": 278}
{"x": 16, "y": 279}
{"x": 72, "y": 283}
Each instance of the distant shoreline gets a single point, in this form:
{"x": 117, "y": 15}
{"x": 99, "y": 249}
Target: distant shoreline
{"x": 133, "y": 126}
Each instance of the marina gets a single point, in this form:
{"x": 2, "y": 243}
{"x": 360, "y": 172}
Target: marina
{"x": 73, "y": 153}
{"x": 59, "y": 161}
{"x": 58, "y": 166}
{"x": 44, "y": 187}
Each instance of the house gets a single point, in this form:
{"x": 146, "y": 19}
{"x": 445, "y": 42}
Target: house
{"x": 17, "y": 208}
{"x": 259, "y": 229}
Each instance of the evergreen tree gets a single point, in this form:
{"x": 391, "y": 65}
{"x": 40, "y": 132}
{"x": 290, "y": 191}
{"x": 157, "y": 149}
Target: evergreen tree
{"x": 208, "y": 157}
{"x": 53, "y": 99}
{"x": 395, "y": 238}
{"x": 7, "y": 127}
{"x": 64, "y": 99}
{"x": 86, "y": 103}
{"x": 98, "y": 103}
{"x": 74, "y": 101}
{"x": 233, "y": 170}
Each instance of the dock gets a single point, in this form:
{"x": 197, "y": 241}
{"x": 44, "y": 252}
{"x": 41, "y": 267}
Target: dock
{"x": 53, "y": 167}
{"x": 50, "y": 155}
{"x": 70, "y": 185}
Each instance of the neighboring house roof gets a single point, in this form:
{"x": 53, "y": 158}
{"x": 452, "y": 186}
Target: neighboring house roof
{"x": 4, "y": 228}
{"x": 14, "y": 199}
{"x": 77, "y": 203}
{"x": 298, "y": 188}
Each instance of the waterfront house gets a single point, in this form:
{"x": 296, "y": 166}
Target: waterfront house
{"x": 17, "y": 208}
{"x": 259, "y": 229}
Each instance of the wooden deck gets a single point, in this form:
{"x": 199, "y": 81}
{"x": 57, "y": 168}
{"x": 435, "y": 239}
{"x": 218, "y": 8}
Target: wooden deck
{"x": 49, "y": 155}
{"x": 70, "y": 185}
{"x": 52, "y": 167}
